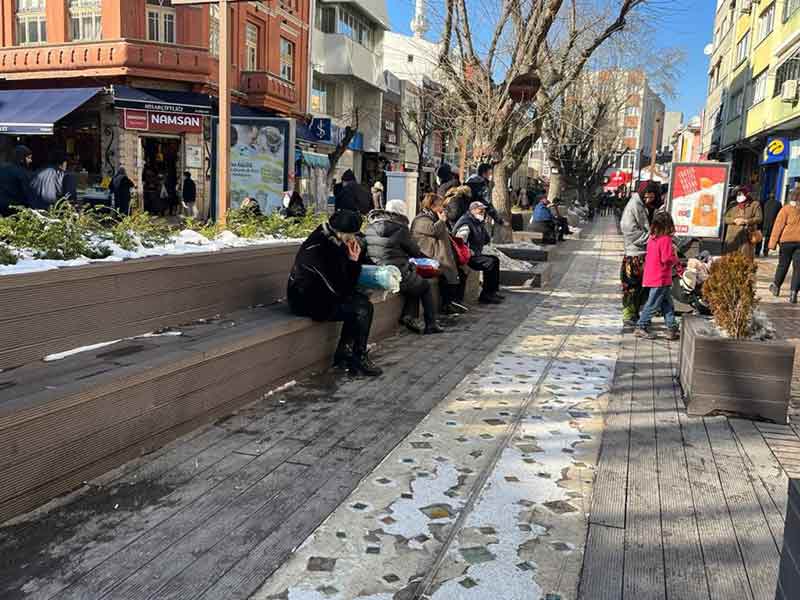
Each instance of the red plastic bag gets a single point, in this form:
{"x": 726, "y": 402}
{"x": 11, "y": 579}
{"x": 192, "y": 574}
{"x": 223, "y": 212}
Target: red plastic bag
{"x": 462, "y": 251}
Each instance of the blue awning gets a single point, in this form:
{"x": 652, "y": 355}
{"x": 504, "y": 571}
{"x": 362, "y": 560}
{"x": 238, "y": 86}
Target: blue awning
{"x": 316, "y": 161}
{"x": 34, "y": 112}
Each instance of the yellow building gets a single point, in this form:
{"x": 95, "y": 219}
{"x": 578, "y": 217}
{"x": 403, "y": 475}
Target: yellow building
{"x": 757, "y": 120}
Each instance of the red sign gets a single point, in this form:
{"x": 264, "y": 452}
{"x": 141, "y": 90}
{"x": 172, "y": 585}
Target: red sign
{"x": 698, "y": 193}
{"x": 144, "y": 120}
{"x": 617, "y": 179}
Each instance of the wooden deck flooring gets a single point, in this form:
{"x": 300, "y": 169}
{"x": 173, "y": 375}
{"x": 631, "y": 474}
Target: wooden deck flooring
{"x": 683, "y": 508}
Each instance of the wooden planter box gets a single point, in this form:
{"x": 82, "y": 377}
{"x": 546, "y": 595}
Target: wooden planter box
{"x": 746, "y": 377}
{"x": 789, "y": 575}
{"x": 54, "y": 311}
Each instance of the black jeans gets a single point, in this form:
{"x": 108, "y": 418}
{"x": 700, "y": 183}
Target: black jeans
{"x": 356, "y": 314}
{"x": 789, "y": 255}
{"x": 453, "y": 292}
{"x": 416, "y": 289}
{"x": 490, "y": 265}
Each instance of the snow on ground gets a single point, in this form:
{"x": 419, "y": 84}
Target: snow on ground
{"x": 185, "y": 242}
{"x": 81, "y": 349}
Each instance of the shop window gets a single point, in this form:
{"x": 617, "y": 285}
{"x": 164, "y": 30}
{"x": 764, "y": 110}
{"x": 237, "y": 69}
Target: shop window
{"x": 160, "y": 21}
{"x": 759, "y": 88}
{"x": 287, "y": 60}
{"x": 85, "y": 18}
{"x": 251, "y": 47}
{"x": 213, "y": 29}
{"x": 790, "y": 8}
{"x": 766, "y": 22}
{"x": 31, "y": 22}
{"x": 742, "y": 48}
{"x": 788, "y": 71}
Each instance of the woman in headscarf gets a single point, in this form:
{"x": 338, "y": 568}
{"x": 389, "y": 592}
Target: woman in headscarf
{"x": 742, "y": 220}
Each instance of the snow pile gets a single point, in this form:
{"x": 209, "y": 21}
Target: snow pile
{"x": 507, "y": 263}
{"x": 81, "y": 349}
{"x": 185, "y": 242}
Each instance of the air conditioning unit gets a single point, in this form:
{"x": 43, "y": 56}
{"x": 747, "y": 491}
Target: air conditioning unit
{"x": 789, "y": 91}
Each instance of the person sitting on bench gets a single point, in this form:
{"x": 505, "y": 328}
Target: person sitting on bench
{"x": 544, "y": 222}
{"x": 470, "y": 228}
{"x": 322, "y": 286}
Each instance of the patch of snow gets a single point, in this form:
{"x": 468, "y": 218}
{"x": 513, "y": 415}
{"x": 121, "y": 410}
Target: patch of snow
{"x": 281, "y": 388}
{"x": 66, "y": 353}
{"x": 507, "y": 263}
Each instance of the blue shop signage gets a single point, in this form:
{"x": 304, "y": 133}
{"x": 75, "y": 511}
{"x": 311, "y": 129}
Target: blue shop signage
{"x": 776, "y": 151}
{"x": 323, "y": 131}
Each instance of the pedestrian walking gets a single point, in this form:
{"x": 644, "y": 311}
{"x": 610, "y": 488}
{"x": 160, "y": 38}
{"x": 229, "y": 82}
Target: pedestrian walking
{"x": 659, "y": 263}
{"x": 786, "y": 233}
{"x": 429, "y": 229}
{"x": 120, "y": 188}
{"x": 47, "y": 186}
{"x": 15, "y": 181}
{"x": 322, "y": 286}
{"x": 189, "y": 193}
{"x": 471, "y": 230}
{"x": 635, "y": 226}
{"x": 389, "y": 242}
{"x": 770, "y": 209}
{"x": 742, "y": 220}
{"x": 352, "y": 195}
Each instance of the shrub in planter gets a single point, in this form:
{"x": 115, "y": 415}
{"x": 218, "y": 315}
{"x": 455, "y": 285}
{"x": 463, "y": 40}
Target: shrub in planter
{"x": 7, "y": 255}
{"x": 730, "y": 292}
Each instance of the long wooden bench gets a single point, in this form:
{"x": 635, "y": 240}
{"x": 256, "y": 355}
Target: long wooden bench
{"x": 65, "y": 422}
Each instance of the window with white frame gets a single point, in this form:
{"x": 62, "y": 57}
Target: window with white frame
{"x": 766, "y": 22}
{"x": 632, "y": 111}
{"x": 213, "y": 29}
{"x": 326, "y": 19}
{"x": 31, "y": 22}
{"x": 160, "y": 21}
{"x": 287, "y": 60}
{"x": 251, "y": 47}
{"x": 759, "y": 87}
{"x": 630, "y": 132}
{"x": 790, "y": 8}
{"x": 322, "y": 96}
{"x": 355, "y": 27}
{"x": 737, "y": 102}
{"x": 85, "y": 18}
{"x": 742, "y": 48}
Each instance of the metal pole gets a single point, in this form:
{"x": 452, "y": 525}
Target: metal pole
{"x": 224, "y": 134}
{"x": 654, "y": 148}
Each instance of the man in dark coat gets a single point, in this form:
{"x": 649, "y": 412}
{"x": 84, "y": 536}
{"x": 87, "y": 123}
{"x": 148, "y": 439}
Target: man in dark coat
{"x": 770, "y": 210}
{"x": 389, "y": 242}
{"x": 482, "y": 190}
{"x": 189, "y": 193}
{"x": 322, "y": 286}
{"x": 353, "y": 196}
{"x": 47, "y": 185}
{"x": 471, "y": 229}
{"x": 121, "y": 186}
{"x": 447, "y": 179}
{"x": 15, "y": 181}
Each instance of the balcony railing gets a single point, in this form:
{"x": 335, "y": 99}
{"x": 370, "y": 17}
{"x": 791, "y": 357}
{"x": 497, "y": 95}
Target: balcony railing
{"x": 105, "y": 57}
{"x": 263, "y": 83}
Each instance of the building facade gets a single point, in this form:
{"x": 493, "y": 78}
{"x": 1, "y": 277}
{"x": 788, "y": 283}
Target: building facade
{"x": 673, "y": 121}
{"x": 144, "y": 76}
{"x": 752, "y": 107}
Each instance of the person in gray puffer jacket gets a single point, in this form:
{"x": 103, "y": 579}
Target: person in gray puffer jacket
{"x": 635, "y": 225}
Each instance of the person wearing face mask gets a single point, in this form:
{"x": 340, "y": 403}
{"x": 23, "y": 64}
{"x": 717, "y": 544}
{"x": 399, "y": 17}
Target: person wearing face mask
{"x": 429, "y": 230}
{"x": 471, "y": 229}
{"x": 786, "y": 232}
{"x": 742, "y": 220}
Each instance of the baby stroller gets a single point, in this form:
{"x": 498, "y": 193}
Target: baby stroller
{"x": 687, "y": 290}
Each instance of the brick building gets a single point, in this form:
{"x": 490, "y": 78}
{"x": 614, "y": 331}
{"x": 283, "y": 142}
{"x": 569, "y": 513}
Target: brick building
{"x": 129, "y": 82}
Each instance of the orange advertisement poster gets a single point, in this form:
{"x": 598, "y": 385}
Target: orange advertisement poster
{"x": 698, "y": 192}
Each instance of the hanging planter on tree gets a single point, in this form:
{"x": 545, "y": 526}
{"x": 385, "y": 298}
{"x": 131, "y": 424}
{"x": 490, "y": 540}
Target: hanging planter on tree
{"x": 524, "y": 87}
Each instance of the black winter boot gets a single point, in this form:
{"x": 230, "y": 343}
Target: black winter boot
{"x": 343, "y": 357}
{"x": 793, "y": 297}
{"x": 362, "y": 366}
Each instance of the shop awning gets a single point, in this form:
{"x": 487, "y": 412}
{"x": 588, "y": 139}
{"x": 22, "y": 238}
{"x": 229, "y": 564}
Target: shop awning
{"x": 316, "y": 161}
{"x": 35, "y": 112}
{"x": 176, "y": 102}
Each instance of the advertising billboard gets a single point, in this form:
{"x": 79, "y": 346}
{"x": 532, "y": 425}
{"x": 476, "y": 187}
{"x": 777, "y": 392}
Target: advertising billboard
{"x": 698, "y": 194}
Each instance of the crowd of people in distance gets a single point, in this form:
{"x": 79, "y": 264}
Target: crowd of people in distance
{"x": 450, "y": 228}
{"x": 21, "y": 186}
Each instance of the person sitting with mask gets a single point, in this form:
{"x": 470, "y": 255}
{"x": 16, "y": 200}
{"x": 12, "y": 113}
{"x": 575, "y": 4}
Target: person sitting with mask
{"x": 389, "y": 242}
{"x": 322, "y": 286}
{"x": 470, "y": 228}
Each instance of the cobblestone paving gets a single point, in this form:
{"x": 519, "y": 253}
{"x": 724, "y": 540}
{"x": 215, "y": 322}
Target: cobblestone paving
{"x": 488, "y": 497}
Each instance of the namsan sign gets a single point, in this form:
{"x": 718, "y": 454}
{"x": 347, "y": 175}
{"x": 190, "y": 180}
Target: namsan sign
{"x": 143, "y": 120}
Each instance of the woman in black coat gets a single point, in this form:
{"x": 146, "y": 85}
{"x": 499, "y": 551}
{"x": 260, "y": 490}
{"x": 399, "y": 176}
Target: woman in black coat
{"x": 121, "y": 187}
{"x": 322, "y": 286}
{"x": 389, "y": 242}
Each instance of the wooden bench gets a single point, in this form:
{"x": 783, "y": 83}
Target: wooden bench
{"x": 67, "y": 421}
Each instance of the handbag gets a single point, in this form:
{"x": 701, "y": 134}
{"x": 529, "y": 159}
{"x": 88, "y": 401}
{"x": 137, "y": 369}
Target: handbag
{"x": 755, "y": 236}
{"x": 426, "y": 268}
{"x": 462, "y": 251}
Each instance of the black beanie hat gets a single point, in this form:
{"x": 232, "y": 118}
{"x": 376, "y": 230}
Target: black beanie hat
{"x": 348, "y": 175}
{"x": 445, "y": 173}
{"x": 345, "y": 221}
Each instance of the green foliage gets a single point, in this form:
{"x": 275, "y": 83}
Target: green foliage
{"x": 148, "y": 230}
{"x": 7, "y": 255}
{"x": 731, "y": 293}
{"x": 247, "y": 224}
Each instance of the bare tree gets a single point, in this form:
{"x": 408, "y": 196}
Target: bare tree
{"x": 536, "y": 49}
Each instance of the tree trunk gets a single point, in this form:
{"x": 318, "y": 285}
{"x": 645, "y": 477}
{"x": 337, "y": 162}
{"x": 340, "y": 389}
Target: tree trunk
{"x": 556, "y": 182}
{"x": 501, "y": 201}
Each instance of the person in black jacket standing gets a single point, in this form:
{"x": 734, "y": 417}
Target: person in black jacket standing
{"x": 770, "y": 209}
{"x": 121, "y": 186}
{"x": 189, "y": 193}
{"x": 322, "y": 286}
{"x": 389, "y": 242}
{"x": 15, "y": 181}
{"x": 481, "y": 187}
{"x": 352, "y": 195}
{"x": 471, "y": 229}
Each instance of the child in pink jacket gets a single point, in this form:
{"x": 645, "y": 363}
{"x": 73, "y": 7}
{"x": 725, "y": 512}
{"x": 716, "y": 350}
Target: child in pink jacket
{"x": 658, "y": 265}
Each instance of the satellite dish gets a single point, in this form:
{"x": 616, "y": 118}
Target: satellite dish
{"x": 708, "y": 50}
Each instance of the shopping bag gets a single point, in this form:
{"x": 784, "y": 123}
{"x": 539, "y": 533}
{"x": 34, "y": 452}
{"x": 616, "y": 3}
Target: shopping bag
{"x": 462, "y": 251}
{"x": 427, "y": 268}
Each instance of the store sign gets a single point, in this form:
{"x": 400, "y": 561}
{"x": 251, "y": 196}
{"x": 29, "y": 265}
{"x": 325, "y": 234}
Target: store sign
{"x": 776, "y": 151}
{"x": 161, "y": 122}
{"x": 698, "y": 194}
